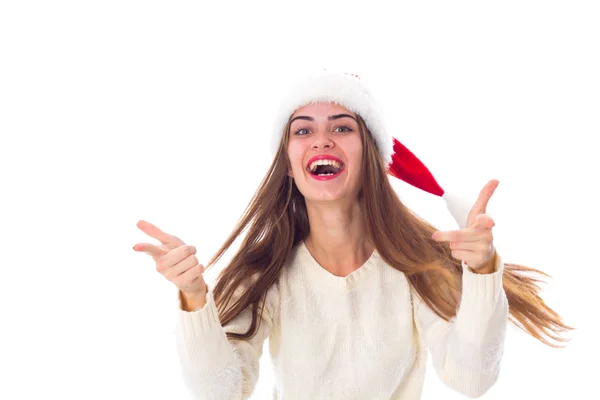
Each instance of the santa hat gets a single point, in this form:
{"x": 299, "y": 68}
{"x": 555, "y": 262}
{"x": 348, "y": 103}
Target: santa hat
{"x": 349, "y": 91}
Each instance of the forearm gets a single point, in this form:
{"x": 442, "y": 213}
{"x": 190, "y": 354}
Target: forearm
{"x": 471, "y": 354}
{"x": 209, "y": 365}
{"x": 468, "y": 350}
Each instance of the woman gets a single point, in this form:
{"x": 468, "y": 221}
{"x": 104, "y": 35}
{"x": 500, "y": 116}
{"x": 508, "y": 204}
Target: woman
{"x": 348, "y": 284}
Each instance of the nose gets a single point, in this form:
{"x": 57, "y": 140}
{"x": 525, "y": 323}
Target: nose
{"x": 322, "y": 140}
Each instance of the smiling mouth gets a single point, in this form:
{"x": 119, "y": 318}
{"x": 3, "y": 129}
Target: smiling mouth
{"x": 325, "y": 168}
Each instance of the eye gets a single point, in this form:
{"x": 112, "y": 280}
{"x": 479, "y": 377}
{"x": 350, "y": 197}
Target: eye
{"x": 301, "y": 131}
{"x": 344, "y": 129}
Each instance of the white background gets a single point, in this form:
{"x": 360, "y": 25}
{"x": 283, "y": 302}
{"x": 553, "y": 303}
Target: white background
{"x": 116, "y": 111}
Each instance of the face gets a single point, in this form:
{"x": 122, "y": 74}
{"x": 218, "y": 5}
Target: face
{"x": 325, "y": 151}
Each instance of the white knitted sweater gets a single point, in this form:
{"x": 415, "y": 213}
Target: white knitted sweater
{"x": 362, "y": 336}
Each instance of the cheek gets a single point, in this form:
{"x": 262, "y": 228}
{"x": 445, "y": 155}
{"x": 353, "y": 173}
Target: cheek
{"x": 354, "y": 153}
{"x": 295, "y": 156}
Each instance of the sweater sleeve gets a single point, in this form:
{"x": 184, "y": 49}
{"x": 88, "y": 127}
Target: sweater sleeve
{"x": 213, "y": 366}
{"x": 467, "y": 351}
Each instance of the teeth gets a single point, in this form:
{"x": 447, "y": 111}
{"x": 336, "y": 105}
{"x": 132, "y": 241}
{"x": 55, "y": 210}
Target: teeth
{"x": 314, "y": 164}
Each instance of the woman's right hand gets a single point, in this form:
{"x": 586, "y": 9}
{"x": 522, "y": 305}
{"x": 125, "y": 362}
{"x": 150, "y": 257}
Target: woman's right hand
{"x": 175, "y": 260}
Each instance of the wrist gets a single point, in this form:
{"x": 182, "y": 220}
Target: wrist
{"x": 192, "y": 301}
{"x": 482, "y": 271}
{"x": 489, "y": 267}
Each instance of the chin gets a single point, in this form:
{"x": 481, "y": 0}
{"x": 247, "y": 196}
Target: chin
{"x": 332, "y": 193}
{"x": 325, "y": 196}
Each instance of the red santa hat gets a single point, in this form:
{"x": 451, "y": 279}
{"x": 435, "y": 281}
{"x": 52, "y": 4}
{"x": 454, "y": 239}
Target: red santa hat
{"x": 351, "y": 92}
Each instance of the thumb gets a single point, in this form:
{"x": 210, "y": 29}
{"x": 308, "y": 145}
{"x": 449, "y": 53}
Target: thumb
{"x": 480, "y": 206}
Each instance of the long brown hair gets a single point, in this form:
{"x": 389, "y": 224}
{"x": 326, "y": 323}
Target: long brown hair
{"x": 276, "y": 220}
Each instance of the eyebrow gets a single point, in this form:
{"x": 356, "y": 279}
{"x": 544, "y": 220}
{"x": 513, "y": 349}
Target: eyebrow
{"x": 330, "y": 118}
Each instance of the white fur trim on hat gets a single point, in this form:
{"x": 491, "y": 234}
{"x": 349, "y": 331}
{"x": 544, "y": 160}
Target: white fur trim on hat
{"x": 344, "y": 89}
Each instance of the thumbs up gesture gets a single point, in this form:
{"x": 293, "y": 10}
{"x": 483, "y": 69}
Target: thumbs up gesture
{"x": 474, "y": 244}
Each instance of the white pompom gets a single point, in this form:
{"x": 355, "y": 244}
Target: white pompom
{"x": 459, "y": 207}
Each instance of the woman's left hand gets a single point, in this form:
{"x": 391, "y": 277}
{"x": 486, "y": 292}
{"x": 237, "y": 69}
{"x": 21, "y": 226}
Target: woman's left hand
{"x": 474, "y": 244}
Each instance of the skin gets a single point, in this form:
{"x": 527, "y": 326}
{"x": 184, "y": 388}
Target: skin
{"x": 337, "y": 237}
{"x": 474, "y": 244}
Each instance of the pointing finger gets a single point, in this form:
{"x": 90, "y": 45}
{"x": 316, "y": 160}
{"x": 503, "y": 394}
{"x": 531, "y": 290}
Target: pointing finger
{"x": 461, "y": 235}
{"x": 150, "y": 249}
{"x": 153, "y": 231}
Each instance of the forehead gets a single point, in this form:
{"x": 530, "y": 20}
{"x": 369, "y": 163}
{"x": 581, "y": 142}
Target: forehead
{"x": 322, "y": 109}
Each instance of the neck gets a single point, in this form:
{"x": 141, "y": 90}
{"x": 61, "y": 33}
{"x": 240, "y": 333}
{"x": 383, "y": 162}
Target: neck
{"x": 337, "y": 238}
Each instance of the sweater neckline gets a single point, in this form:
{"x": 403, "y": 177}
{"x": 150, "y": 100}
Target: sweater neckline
{"x": 317, "y": 271}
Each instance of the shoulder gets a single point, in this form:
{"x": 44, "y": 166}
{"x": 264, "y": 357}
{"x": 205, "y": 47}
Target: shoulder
{"x": 294, "y": 262}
